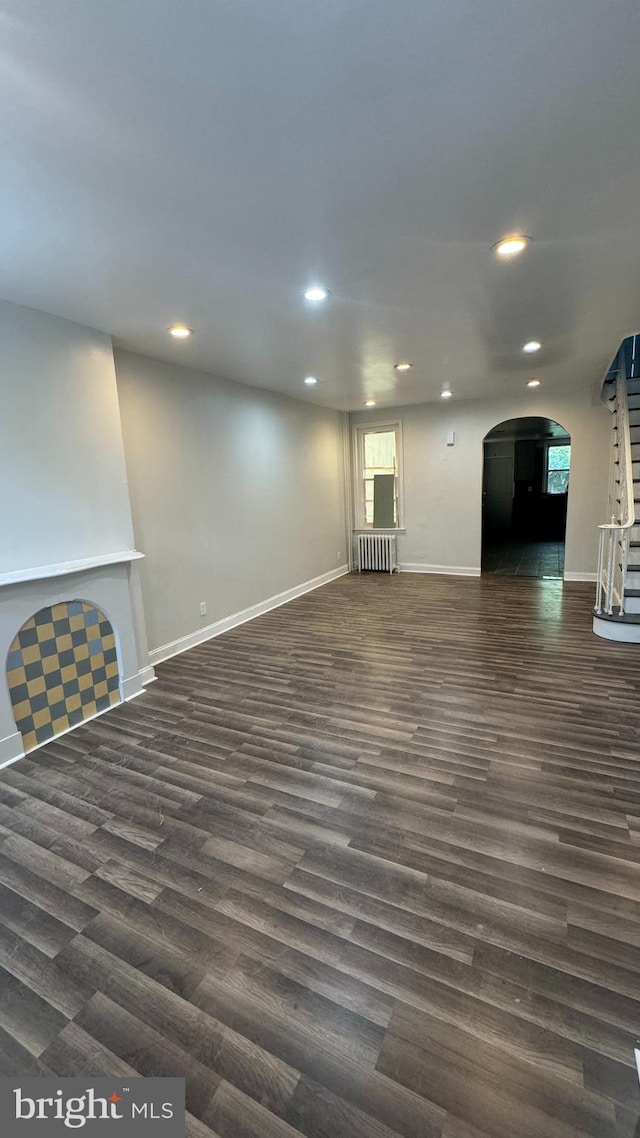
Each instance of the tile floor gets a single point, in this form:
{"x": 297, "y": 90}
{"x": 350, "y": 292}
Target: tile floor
{"x": 521, "y": 558}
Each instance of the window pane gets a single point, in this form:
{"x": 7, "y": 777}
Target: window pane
{"x": 557, "y": 481}
{"x": 559, "y": 457}
{"x": 379, "y": 453}
{"x": 377, "y": 476}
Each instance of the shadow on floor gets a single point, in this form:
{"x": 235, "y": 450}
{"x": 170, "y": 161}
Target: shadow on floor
{"x": 520, "y": 558}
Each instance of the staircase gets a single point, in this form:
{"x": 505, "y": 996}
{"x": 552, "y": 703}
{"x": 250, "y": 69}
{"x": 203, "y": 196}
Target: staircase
{"x": 616, "y": 615}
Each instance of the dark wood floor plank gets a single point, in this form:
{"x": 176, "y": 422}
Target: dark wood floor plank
{"x": 333, "y": 1048}
{"x": 74, "y": 1052}
{"x": 30, "y": 1019}
{"x": 617, "y": 1081}
{"x": 367, "y": 865}
{"x": 32, "y": 924}
{"x": 53, "y": 900}
{"x": 235, "y": 1058}
{"x": 146, "y": 1050}
{"x": 440, "y": 1081}
{"x": 541, "y": 1087}
{"x": 16, "y": 1061}
{"x": 45, "y": 861}
{"x": 74, "y": 807}
{"x": 41, "y": 975}
{"x": 611, "y": 993}
{"x": 316, "y": 1112}
{"x": 543, "y": 1049}
{"x": 194, "y": 1128}
{"x": 235, "y": 1115}
{"x": 175, "y": 969}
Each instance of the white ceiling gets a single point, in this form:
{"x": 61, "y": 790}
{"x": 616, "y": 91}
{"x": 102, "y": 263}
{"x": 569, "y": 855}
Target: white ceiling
{"x": 206, "y": 160}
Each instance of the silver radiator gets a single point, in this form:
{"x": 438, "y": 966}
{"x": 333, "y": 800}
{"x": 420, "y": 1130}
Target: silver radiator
{"x": 377, "y": 551}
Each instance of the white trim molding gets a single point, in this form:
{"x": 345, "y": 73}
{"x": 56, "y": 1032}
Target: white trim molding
{"x": 580, "y": 575}
{"x": 131, "y": 687}
{"x": 11, "y": 749}
{"x": 64, "y": 568}
{"x": 449, "y": 570}
{"x": 618, "y": 630}
{"x": 359, "y": 430}
{"x": 157, "y": 655}
{"x": 147, "y": 676}
{"x": 379, "y": 529}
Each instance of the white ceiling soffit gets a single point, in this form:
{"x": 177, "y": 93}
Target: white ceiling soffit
{"x": 205, "y": 161}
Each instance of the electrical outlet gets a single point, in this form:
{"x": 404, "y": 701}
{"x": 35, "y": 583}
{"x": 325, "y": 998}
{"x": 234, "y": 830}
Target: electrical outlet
{"x": 203, "y": 608}
{"x": 339, "y": 555}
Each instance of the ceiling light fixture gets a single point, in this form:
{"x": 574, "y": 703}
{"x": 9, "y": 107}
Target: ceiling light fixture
{"x": 316, "y": 293}
{"x": 446, "y": 394}
{"x": 531, "y": 346}
{"x": 511, "y": 246}
{"x": 533, "y": 383}
{"x": 370, "y": 403}
{"x": 311, "y": 381}
{"x": 404, "y": 365}
{"x": 180, "y": 331}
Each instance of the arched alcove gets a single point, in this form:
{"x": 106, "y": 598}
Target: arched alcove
{"x": 525, "y": 484}
{"x": 62, "y": 668}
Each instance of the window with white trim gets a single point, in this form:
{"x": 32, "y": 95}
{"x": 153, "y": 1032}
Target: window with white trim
{"x": 558, "y": 461}
{"x": 377, "y": 482}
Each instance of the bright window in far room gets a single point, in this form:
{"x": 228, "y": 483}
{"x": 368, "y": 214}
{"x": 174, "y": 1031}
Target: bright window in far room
{"x": 558, "y": 463}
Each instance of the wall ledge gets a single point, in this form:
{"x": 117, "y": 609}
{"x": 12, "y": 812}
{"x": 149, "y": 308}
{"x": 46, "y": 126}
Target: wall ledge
{"x": 450, "y": 570}
{"x": 157, "y": 655}
{"x": 63, "y": 568}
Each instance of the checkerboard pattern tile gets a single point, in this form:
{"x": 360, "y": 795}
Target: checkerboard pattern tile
{"x": 62, "y": 668}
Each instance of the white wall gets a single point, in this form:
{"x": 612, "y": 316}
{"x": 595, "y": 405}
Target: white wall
{"x": 63, "y": 489}
{"x": 237, "y": 493}
{"x": 443, "y": 485}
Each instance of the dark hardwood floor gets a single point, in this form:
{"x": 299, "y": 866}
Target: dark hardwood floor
{"x": 367, "y": 866}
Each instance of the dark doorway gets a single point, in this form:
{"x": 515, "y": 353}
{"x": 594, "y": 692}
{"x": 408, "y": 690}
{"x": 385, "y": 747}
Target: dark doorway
{"x": 524, "y": 498}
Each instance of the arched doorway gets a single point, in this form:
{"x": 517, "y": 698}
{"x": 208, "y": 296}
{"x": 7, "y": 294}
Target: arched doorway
{"x": 525, "y": 485}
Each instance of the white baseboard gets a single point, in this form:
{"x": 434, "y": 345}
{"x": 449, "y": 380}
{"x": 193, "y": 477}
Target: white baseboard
{"x": 157, "y": 655}
{"x": 132, "y": 686}
{"x": 147, "y": 676}
{"x": 617, "y": 630}
{"x": 453, "y": 570}
{"x": 580, "y": 576}
{"x": 11, "y": 749}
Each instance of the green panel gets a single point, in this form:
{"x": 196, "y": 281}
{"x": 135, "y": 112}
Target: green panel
{"x": 383, "y": 501}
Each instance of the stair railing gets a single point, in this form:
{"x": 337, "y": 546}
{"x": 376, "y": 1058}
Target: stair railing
{"x": 613, "y": 552}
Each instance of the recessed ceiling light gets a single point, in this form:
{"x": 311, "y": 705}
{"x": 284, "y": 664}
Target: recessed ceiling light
{"x": 180, "y": 331}
{"x": 533, "y": 383}
{"x": 446, "y": 394}
{"x": 311, "y": 381}
{"x": 511, "y": 246}
{"x": 316, "y": 293}
{"x": 404, "y": 365}
{"x": 370, "y": 403}
{"x": 531, "y": 346}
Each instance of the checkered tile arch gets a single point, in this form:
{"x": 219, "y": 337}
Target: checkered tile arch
{"x": 62, "y": 668}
